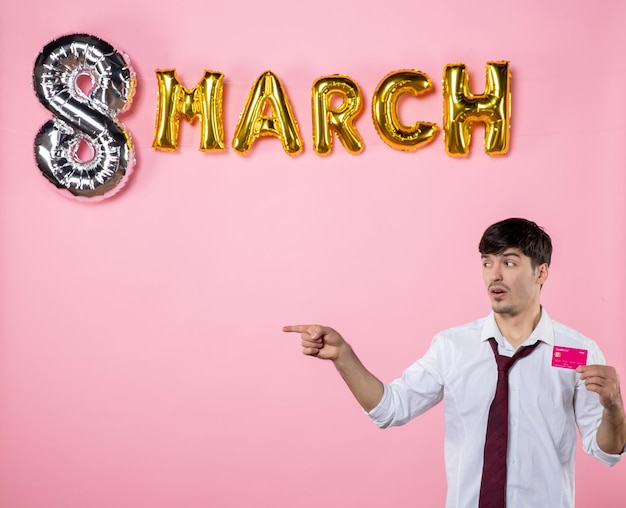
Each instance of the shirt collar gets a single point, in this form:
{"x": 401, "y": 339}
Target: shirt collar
{"x": 544, "y": 331}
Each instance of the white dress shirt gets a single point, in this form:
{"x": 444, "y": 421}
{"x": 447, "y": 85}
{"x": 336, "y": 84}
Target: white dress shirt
{"x": 545, "y": 405}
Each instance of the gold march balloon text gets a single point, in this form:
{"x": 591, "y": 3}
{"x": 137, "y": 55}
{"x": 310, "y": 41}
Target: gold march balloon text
{"x": 87, "y": 115}
{"x": 268, "y": 112}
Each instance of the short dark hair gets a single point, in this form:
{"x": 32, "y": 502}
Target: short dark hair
{"x": 522, "y": 234}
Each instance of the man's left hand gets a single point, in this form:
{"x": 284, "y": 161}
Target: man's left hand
{"x": 603, "y": 380}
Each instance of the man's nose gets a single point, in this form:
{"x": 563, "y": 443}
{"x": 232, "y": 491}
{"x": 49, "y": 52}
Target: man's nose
{"x": 495, "y": 274}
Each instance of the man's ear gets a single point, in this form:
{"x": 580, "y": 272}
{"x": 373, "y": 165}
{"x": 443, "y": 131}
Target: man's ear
{"x": 542, "y": 273}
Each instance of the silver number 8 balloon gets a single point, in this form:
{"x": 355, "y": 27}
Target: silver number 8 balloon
{"x": 84, "y": 117}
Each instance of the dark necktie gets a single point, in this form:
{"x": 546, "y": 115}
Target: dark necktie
{"x": 493, "y": 484}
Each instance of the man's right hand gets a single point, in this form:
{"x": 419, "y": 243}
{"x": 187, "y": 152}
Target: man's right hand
{"x": 324, "y": 342}
{"x": 320, "y": 341}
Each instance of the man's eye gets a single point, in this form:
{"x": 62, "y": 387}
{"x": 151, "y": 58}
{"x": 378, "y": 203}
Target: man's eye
{"x": 510, "y": 263}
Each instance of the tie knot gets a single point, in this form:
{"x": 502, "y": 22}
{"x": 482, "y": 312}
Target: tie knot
{"x": 506, "y": 362}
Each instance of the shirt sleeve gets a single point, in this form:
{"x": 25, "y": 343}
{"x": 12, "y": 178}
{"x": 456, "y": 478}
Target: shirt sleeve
{"x": 418, "y": 389}
{"x": 589, "y": 415}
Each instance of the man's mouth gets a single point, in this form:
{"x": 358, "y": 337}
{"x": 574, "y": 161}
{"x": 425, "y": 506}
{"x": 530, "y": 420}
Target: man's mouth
{"x": 497, "y": 291}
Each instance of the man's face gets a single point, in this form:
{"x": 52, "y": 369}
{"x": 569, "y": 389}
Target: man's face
{"x": 513, "y": 285}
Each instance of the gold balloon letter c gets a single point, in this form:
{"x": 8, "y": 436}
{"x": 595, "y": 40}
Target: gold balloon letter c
{"x": 385, "y": 110}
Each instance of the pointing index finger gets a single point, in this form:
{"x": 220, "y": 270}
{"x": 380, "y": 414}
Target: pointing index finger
{"x": 313, "y": 330}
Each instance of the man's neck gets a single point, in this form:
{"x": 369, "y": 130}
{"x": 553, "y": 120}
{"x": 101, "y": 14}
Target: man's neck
{"x": 516, "y": 328}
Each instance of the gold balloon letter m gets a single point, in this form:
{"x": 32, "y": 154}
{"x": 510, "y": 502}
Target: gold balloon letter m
{"x": 461, "y": 109}
{"x": 204, "y": 102}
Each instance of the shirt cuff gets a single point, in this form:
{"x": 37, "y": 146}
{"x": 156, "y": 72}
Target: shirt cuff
{"x": 610, "y": 459}
{"x": 380, "y": 414}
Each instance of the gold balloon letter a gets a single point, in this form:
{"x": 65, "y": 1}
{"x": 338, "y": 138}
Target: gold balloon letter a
{"x": 204, "y": 102}
{"x": 267, "y": 94}
{"x": 341, "y": 118}
{"x": 461, "y": 109}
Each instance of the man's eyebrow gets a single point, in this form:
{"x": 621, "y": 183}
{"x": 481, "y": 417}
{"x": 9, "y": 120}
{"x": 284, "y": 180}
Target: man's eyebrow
{"x": 506, "y": 253}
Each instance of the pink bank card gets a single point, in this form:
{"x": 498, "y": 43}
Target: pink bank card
{"x": 568, "y": 357}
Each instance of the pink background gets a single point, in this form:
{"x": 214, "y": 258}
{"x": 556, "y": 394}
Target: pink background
{"x": 142, "y": 362}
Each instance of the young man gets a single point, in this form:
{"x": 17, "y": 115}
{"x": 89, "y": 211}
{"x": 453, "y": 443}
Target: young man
{"x": 518, "y": 450}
